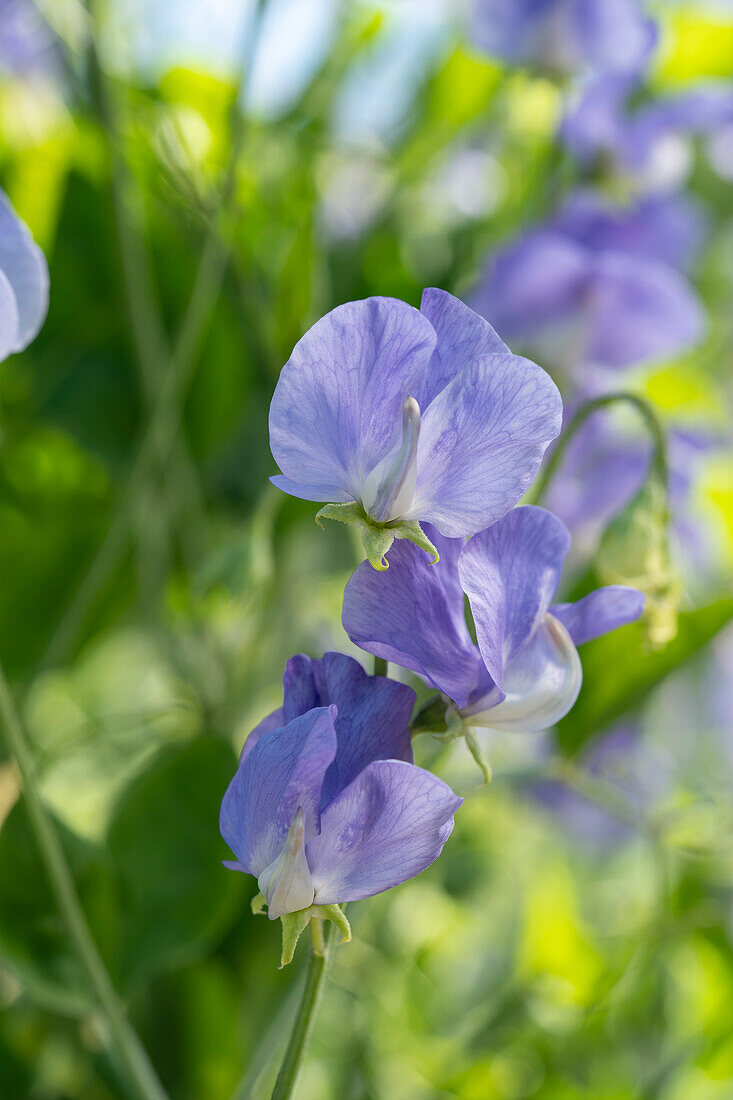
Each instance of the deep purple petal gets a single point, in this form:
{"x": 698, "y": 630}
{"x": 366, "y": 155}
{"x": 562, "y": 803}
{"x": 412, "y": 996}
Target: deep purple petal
{"x": 283, "y": 772}
{"x": 600, "y": 612}
{"x": 463, "y": 335}
{"x": 482, "y": 441}
{"x": 373, "y": 721}
{"x": 273, "y": 721}
{"x": 25, "y": 268}
{"x": 337, "y": 407}
{"x": 413, "y": 615}
{"x": 510, "y": 574}
{"x": 384, "y": 828}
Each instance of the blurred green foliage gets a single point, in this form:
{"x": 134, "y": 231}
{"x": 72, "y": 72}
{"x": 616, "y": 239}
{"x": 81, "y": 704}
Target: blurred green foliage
{"x": 521, "y": 964}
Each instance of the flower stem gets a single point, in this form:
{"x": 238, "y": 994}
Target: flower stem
{"x": 124, "y": 1040}
{"x": 659, "y": 467}
{"x": 381, "y": 667}
{"x": 287, "y": 1078}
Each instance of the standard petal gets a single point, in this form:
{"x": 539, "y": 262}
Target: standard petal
{"x": 541, "y": 684}
{"x": 337, "y": 407}
{"x": 283, "y": 773}
{"x": 510, "y": 574}
{"x": 25, "y": 268}
{"x": 384, "y": 828}
{"x": 273, "y": 721}
{"x": 413, "y": 615}
{"x": 8, "y": 319}
{"x": 462, "y": 335}
{"x": 482, "y": 441}
{"x": 373, "y": 721}
{"x": 600, "y": 612}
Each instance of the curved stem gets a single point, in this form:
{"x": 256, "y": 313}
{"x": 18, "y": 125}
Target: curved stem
{"x": 292, "y": 1064}
{"x": 124, "y": 1040}
{"x": 659, "y": 467}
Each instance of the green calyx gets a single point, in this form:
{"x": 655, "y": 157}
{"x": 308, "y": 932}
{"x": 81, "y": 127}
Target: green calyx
{"x": 377, "y": 538}
{"x": 294, "y": 924}
{"x": 442, "y": 721}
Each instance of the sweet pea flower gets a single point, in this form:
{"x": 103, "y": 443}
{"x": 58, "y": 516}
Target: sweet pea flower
{"x": 23, "y": 283}
{"x": 395, "y": 416}
{"x": 582, "y": 298}
{"x": 650, "y": 146}
{"x": 523, "y": 673}
{"x": 565, "y": 36}
{"x": 327, "y": 808}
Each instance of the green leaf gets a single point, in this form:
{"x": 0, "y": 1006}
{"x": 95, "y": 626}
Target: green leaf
{"x": 175, "y": 899}
{"x": 619, "y": 670}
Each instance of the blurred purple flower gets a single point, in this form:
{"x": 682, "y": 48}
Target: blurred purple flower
{"x": 565, "y": 36}
{"x": 23, "y": 283}
{"x": 591, "y": 289}
{"x": 308, "y": 841}
{"x": 524, "y": 673}
{"x": 604, "y": 467}
{"x": 647, "y": 144}
{"x": 26, "y": 43}
{"x": 414, "y": 415}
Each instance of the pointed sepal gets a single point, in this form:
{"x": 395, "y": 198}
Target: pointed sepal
{"x": 413, "y": 532}
{"x": 477, "y": 752}
{"x": 351, "y": 514}
{"x": 294, "y": 924}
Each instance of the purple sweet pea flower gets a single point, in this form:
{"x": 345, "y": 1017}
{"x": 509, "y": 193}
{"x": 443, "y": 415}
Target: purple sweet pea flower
{"x": 26, "y": 43}
{"x": 565, "y": 35}
{"x": 649, "y": 145}
{"x": 600, "y": 299}
{"x": 23, "y": 283}
{"x": 524, "y": 673}
{"x": 411, "y": 415}
{"x": 313, "y": 841}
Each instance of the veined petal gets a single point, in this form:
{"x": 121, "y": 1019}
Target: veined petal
{"x": 600, "y": 612}
{"x": 25, "y": 268}
{"x": 337, "y": 408}
{"x": 510, "y": 573}
{"x": 286, "y": 882}
{"x": 413, "y": 615}
{"x": 462, "y": 335}
{"x": 273, "y": 721}
{"x": 283, "y": 772}
{"x": 540, "y": 685}
{"x": 373, "y": 720}
{"x": 482, "y": 441}
{"x": 384, "y": 828}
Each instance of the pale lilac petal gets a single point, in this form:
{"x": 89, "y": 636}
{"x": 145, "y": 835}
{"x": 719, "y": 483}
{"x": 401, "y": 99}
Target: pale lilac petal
{"x": 337, "y": 407}
{"x": 8, "y": 319}
{"x": 384, "y": 828}
{"x": 273, "y": 721}
{"x": 540, "y": 684}
{"x": 482, "y": 442}
{"x": 25, "y": 268}
{"x": 322, "y": 492}
{"x": 600, "y": 612}
{"x": 284, "y": 772}
{"x": 510, "y": 574}
{"x": 462, "y": 335}
{"x": 373, "y": 720}
{"x": 413, "y": 615}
